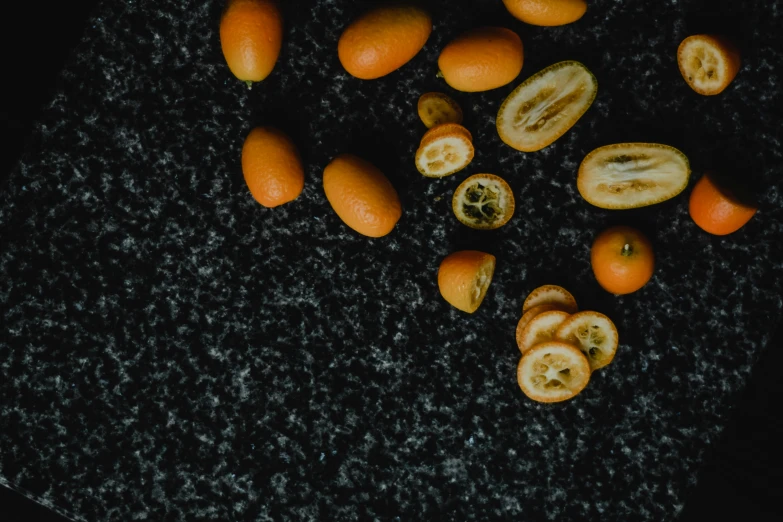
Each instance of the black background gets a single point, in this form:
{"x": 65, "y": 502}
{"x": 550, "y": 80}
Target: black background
{"x": 741, "y": 477}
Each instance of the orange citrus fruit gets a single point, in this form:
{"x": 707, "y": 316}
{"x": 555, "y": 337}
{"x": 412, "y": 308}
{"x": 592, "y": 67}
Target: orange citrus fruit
{"x": 708, "y": 63}
{"x": 446, "y": 129}
{"x": 383, "y": 39}
{"x": 271, "y": 166}
{"x": 482, "y": 59}
{"x": 483, "y": 201}
{"x": 540, "y": 329}
{"x": 361, "y": 195}
{"x": 553, "y": 371}
{"x": 529, "y": 315}
{"x": 251, "y": 34}
{"x": 435, "y": 108}
{"x": 443, "y": 154}
{"x": 546, "y": 106}
{"x": 622, "y": 260}
{"x": 632, "y": 175}
{"x": 547, "y": 12}
{"x": 716, "y": 210}
{"x": 550, "y": 295}
{"x": 463, "y": 278}
{"x": 594, "y": 334}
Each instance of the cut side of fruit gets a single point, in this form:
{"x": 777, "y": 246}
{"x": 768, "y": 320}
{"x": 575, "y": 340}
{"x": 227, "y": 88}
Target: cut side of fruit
{"x": 708, "y": 63}
{"x": 550, "y": 295}
{"x": 594, "y": 334}
{"x": 530, "y": 314}
{"x": 481, "y": 283}
{"x": 446, "y": 129}
{"x": 443, "y": 155}
{"x": 552, "y": 372}
{"x": 483, "y": 201}
{"x": 540, "y": 329}
{"x": 435, "y": 108}
{"x": 464, "y": 277}
{"x": 546, "y": 105}
{"x": 632, "y": 175}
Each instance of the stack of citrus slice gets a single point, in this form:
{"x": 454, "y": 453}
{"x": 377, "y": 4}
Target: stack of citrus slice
{"x": 445, "y": 149}
{"x": 560, "y": 346}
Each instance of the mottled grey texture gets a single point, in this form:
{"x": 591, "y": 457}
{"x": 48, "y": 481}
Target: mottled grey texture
{"x": 173, "y": 351}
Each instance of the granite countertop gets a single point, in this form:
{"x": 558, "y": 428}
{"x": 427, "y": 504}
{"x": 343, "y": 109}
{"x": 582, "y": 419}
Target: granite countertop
{"x": 173, "y": 351}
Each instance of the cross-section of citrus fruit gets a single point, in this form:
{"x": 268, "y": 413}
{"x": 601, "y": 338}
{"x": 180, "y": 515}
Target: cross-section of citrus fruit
{"x": 436, "y": 108}
{"x": 483, "y": 201}
{"x": 530, "y": 314}
{"x": 632, "y": 175}
{"x": 444, "y": 155}
{"x": 463, "y": 278}
{"x": 594, "y": 334}
{"x": 540, "y": 329}
{"x": 552, "y": 372}
{"x": 546, "y": 105}
{"x": 550, "y": 295}
{"x": 708, "y": 63}
{"x": 445, "y": 129}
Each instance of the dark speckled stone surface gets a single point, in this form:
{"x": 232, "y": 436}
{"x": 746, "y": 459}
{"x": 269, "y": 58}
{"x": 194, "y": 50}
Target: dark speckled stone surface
{"x": 172, "y": 351}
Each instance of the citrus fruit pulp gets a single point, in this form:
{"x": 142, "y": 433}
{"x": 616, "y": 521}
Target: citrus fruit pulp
{"x": 553, "y": 371}
{"x": 708, "y": 63}
{"x": 530, "y": 314}
{"x": 444, "y": 154}
{"x": 447, "y": 129}
{"x": 546, "y": 105}
{"x": 632, "y": 175}
{"x": 540, "y": 329}
{"x": 550, "y": 295}
{"x": 435, "y": 108}
{"x": 464, "y": 277}
{"x": 594, "y": 334}
{"x": 483, "y": 201}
